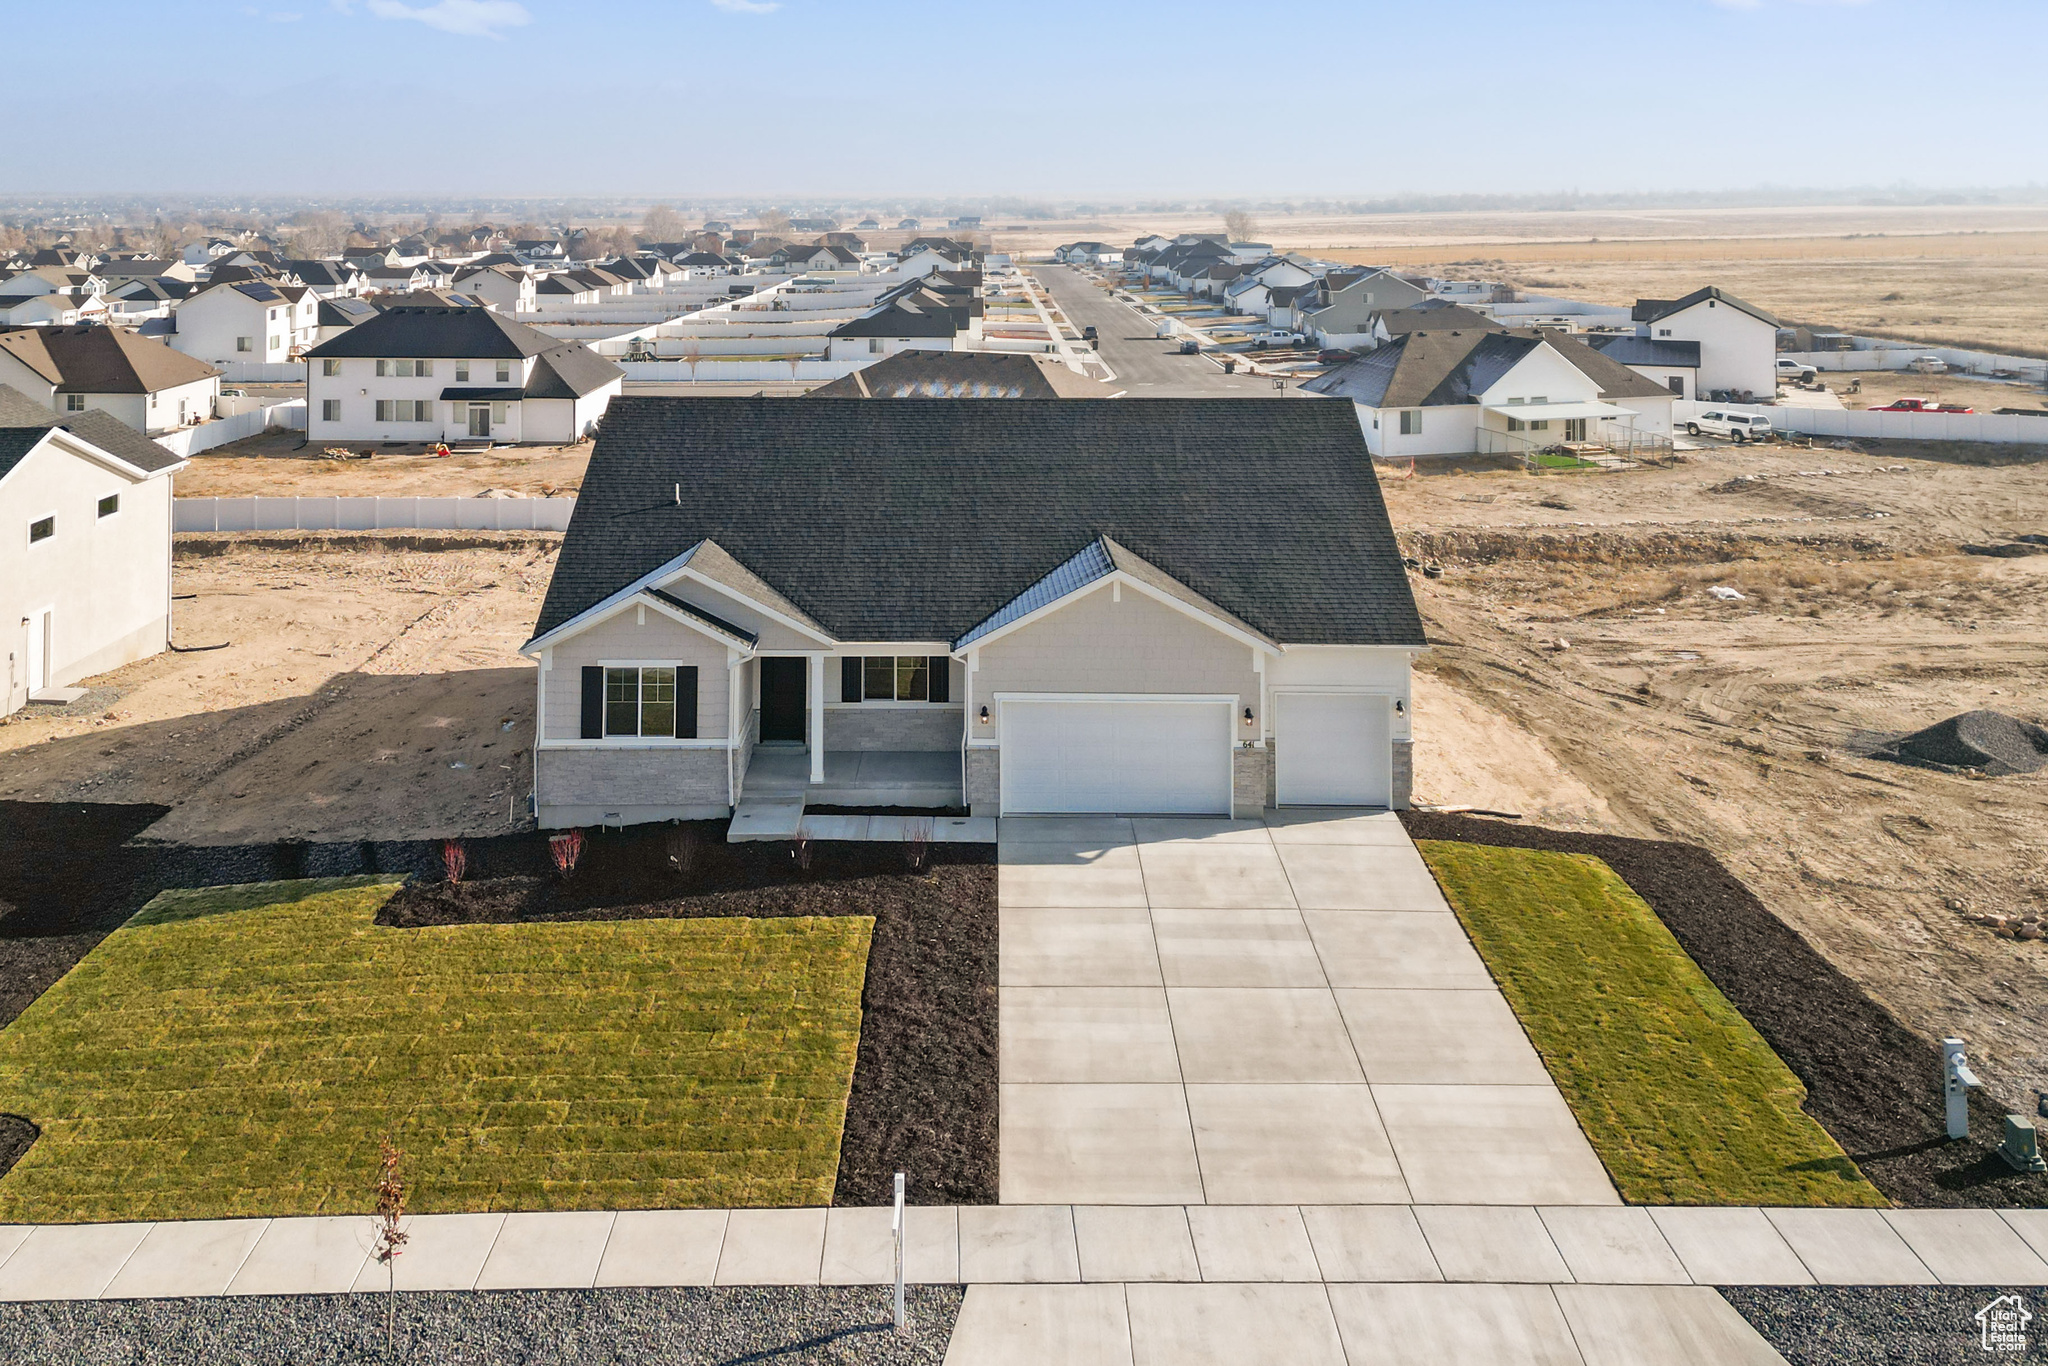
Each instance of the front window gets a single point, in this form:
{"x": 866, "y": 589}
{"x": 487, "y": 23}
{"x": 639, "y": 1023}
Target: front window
{"x": 504, "y": 372}
{"x": 462, "y": 372}
{"x": 330, "y": 367}
{"x": 245, "y": 343}
{"x": 894, "y": 678}
{"x": 1411, "y": 422}
{"x": 640, "y": 701}
{"x": 74, "y": 403}
{"x": 330, "y": 410}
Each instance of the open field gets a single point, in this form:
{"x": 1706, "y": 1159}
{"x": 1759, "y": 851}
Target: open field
{"x": 365, "y": 690}
{"x": 1681, "y": 1098}
{"x": 1963, "y": 275}
{"x": 1573, "y": 617}
{"x": 189, "y": 1067}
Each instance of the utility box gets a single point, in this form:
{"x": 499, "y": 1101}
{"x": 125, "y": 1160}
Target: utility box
{"x": 2022, "y": 1147}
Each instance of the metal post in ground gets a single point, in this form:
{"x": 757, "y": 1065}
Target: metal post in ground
{"x": 902, "y": 1317}
{"x": 1957, "y": 1082}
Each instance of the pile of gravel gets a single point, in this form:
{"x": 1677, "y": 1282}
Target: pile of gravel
{"x": 1906, "y": 1325}
{"x": 771, "y": 1325}
{"x": 1987, "y": 742}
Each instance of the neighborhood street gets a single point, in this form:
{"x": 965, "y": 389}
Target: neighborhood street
{"x": 1145, "y": 366}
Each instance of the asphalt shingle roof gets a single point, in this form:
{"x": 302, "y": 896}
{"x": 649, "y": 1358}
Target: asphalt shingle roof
{"x": 917, "y": 521}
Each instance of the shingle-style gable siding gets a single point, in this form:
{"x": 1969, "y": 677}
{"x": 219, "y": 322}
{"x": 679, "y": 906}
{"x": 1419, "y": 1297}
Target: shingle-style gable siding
{"x": 916, "y": 520}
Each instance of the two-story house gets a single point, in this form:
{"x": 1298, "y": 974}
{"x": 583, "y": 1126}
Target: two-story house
{"x": 247, "y": 320}
{"x": 445, "y": 373}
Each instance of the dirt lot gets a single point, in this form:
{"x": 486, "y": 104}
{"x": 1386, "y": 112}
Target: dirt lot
{"x": 1584, "y": 675}
{"x": 1880, "y": 387}
{"x": 275, "y": 465}
{"x": 366, "y": 691}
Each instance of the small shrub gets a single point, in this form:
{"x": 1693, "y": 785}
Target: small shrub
{"x": 917, "y": 845}
{"x": 454, "y": 859}
{"x": 800, "y": 850}
{"x": 390, "y": 1237}
{"x": 565, "y": 849}
{"x": 683, "y": 849}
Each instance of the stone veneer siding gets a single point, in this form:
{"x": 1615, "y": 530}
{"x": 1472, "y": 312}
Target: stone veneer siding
{"x": 1251, "y": 782}
{"x": 892, "y": 728}
{"x": 1404, "y": 773}
{"x": 984, "y": 782}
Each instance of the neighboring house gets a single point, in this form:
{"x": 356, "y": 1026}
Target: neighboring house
{"x": 336, "y": 316}
{"x": 39, "y": 310}
{"x": 247, "y": 320}
{"x": 1461, "y": 392}
{"x": 506, "y": 288}
{"x": 85, "y": 547}
{"x": 1738, "y": 341}
{"x": 327, "y": 279}
{"x": 1673, "y": 364}
{"x": 1340, "y": 310}
{"x": 144, "y": 383}
{"x": 449, "y": 373}
{"x": 1107, "y": 608}
{"x": 904, "y": 324}
{"x": 564, "y": 289}
{"x": 1431, "y": 315}
{"x": 829, "y": 256}
{"x": 139, "y": 299}
{"x": 963, "y": 374}
{"x": 1088, "y": 253}
{"x": 400, "y": 279}
{"x": 117, "y": 272}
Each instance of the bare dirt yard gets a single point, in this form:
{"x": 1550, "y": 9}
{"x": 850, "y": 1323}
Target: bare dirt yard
{"x": 369, "y": 688}
{"x": 277, "y": 465}
{"x": 1584, "y": 674}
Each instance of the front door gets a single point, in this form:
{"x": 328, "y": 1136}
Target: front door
{"x": 39, "y": 633}
{"x": 480, "y": 419}
{"x": 783, "y": 700}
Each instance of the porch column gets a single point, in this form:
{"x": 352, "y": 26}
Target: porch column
{"x": 817, "y": 695}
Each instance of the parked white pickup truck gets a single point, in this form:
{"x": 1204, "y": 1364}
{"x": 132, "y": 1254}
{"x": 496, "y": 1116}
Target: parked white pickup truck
{"x": 1796, "y": 370}
{"x": 1276, "y": 338}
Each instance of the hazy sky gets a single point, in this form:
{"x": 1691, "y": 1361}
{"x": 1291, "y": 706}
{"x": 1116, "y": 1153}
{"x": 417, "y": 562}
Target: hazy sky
{"x": 1055, "y": 98}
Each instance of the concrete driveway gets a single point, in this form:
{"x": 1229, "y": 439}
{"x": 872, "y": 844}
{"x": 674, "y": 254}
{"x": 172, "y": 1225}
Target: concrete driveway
{"x": 1262, "y": 1012}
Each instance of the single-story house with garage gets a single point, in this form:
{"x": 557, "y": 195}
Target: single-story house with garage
{"x": 1153, "y": 606}
{"x": 1495, "y": 391}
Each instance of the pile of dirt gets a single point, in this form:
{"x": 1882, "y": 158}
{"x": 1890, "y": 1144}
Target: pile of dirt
{"x": 1987, "y": 742}
{"x": 924, "y": 1099}
{"x": 1869, "y": 1080}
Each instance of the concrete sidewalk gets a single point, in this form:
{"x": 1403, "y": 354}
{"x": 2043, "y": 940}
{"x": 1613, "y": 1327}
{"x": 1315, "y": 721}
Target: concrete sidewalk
{"x": 1038, "y": 1244}
{"x": 1279, "y": 1011}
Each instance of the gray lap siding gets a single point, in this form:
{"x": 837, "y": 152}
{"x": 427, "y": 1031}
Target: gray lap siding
{"x": 659, "y": 640}
{"x": 1097, "y": 644}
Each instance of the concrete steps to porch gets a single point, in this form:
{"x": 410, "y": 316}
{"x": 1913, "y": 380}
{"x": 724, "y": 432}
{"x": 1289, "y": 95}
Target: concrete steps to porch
{"x": 778, "y": 788}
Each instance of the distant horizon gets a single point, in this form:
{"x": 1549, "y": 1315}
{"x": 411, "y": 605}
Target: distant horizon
{"x": 921, "y": 100}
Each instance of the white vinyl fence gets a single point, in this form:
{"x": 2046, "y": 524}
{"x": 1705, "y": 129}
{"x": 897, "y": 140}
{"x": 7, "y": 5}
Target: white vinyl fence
{"x": 221, "y": 431}
{"x": 1858, "y": 422}
{"x": 371, "y": 514}
{"x": 1884, "y": 353}
{"x": 262, "y": 372}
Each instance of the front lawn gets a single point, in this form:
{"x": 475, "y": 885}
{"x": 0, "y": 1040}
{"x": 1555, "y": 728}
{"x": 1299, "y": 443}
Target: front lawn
{"x": 240, "y": 1050}
{"x": 1682, "y": 1099}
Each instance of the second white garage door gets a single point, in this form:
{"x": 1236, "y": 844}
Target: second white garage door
{"x": 1334, "y": 749}
{"x": 1135, "y": 756}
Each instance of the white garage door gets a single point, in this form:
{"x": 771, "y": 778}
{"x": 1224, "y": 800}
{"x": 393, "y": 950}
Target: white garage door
{"x": 1141, "y": 756}
{"x": 1334, "y": 749}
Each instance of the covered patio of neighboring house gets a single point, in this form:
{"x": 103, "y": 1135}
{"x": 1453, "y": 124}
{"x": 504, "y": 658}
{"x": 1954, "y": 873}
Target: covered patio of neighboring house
{"x": 1584, "y": 432}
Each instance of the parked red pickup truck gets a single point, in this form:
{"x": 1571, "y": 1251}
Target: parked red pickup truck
{"x": 1921, "y": 405}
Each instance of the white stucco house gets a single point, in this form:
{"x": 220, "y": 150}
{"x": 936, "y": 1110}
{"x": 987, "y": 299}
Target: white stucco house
{"x": 85, "y": 547}
{"x": 1738, "y": 342}
{"x": 1107, "y": 608}
{"x": 428, "y": 372}
{"x": 247, "y": 320}
{"x": 81, "y": 369}
{"x": 1494, "y": 391}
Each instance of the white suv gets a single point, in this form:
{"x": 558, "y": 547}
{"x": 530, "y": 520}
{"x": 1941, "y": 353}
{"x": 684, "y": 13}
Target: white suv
{"x": 1737, "y": 426}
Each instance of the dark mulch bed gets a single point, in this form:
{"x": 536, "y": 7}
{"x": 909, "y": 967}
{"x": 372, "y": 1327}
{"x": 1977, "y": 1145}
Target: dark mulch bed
{"x": 17, "y": 1135}
{"x": 1870, "y": 1081}
{"x": 924, "y": 1098}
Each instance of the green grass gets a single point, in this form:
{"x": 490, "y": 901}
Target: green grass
{"x": 1681, "y": 1098}
{"x": 240, "y": 1050}
{"x": 1550, "y": 461}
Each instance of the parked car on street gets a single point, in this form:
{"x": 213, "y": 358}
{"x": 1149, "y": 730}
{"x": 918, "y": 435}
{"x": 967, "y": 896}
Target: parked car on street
{"x": 1088, "y": 334}
{"x": 1796, "y": 370}
{"x": 1189, "y": 346}
{"x": 1735, "y": 426}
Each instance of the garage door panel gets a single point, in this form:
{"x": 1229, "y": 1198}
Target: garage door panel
{"x": 1125, "y": 756}
{"x": 1334, "y": 749}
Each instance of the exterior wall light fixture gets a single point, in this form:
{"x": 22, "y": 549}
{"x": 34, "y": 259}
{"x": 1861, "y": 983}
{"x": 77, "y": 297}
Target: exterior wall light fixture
{"x": 1247, "y": 716}
{"x": 984, "y": 716}
{"x": 1399, "y": 710}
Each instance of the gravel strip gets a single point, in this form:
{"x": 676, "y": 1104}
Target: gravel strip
{"x": 778, "y": 1325}
{"x": 1907, "y": 1325}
